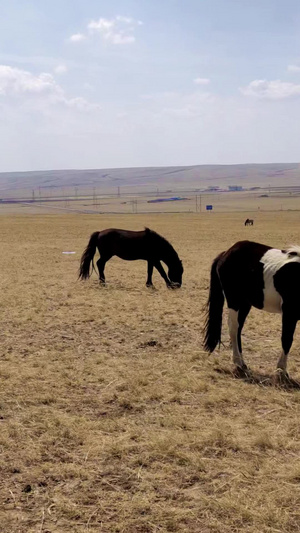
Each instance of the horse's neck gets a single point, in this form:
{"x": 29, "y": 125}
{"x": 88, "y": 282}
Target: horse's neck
{"x": 168, "y": 254}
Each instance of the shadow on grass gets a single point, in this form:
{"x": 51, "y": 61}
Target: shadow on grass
{"x": 257, "y": 378}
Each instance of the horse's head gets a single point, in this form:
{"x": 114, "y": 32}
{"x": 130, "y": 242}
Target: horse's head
{"x": 175, "y": 274}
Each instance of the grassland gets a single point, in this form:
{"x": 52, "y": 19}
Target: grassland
{"x": 113, "y": 419}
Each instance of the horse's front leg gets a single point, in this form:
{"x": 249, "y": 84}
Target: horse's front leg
{"x": 149, "y": 277}
{"x": 160, "y": 269}
{"x": 289, "y": 322}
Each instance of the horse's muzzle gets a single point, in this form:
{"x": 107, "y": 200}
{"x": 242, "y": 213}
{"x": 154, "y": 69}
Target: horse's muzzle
{"x": 175, "y": 285}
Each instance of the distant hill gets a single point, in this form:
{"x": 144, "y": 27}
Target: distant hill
{"x": 199, "y": 176}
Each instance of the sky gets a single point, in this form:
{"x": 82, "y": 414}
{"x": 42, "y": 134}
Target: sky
{"x": 136, "y": 83}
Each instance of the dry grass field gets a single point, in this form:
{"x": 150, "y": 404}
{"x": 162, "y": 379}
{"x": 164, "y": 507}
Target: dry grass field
{"x": 113, "y": 418}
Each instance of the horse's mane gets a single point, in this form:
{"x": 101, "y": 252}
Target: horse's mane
{"x": 162, "y": 240}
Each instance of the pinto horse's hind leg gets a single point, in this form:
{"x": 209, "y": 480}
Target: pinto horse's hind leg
{"x": 289, "y": 322}
{"x": 149, "y": 276}
{"x": 233, "y": 325}
{"x": 242, "y": 315}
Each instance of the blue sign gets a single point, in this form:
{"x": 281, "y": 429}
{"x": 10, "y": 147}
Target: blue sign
{"x": 209, "y": 208}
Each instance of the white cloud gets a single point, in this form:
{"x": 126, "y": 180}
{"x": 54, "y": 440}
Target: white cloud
{"x": 14, "y": 81}
{"x": 22, "y": 85}
{"x": 81, "y": 104}
{"x": 77, "y": 38}
{"x": 117, "y": 30}
{"x": 271, "y": 90}
{"x": 202, "y": 81}
{"x": 60, "y": 69}
{"x": 293, "y": 68}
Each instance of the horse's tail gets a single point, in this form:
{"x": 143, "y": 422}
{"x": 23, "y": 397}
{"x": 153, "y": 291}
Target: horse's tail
{"x": 87, "y": 256}
{"x": 214, "y": 310}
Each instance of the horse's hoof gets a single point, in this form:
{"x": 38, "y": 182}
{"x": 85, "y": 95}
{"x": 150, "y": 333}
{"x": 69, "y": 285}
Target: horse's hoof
{"x": 282, "y": 378}
{"x": 150, "y": 285}
{"x": 241, "y": 371}
{"x": 281, "y": 372}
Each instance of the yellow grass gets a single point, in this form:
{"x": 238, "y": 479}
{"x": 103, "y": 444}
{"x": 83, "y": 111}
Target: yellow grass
{"x": 112, "y": 417}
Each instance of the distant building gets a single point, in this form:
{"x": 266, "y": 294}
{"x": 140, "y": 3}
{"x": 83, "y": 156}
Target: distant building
{"x": 235, "y": 188}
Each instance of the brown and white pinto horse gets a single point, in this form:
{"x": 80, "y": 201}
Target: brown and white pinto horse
{"x": 252, "y": 274}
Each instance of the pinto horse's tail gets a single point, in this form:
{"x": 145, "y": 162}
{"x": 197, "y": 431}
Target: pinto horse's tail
{"x": 87, "y": 256}
{"x": 214, "y": 310}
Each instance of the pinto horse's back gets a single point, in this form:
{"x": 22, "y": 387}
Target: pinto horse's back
{"x": 241, "y": 274}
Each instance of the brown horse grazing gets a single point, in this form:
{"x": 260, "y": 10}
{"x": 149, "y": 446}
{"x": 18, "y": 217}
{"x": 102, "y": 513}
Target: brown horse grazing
{"x": 131, "y": 245}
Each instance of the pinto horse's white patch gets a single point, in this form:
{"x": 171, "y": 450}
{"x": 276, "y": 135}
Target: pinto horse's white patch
{"x": 293, "y": 249}
{"x": 273, "y": 260}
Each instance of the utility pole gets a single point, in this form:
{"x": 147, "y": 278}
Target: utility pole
{"x": 119, "y": 194}
{"x": 33, "y": 195}
{"x": 94, "y": 197}
{"x": 198, "y": 203}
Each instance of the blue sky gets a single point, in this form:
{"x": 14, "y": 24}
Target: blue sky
{"x": 94, "y": 84}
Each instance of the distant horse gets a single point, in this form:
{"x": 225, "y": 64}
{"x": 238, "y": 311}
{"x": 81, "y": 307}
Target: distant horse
{"x": 131, "y": 245}
{"x": 249, "y": 222}
{"x": 251, "y": 274}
